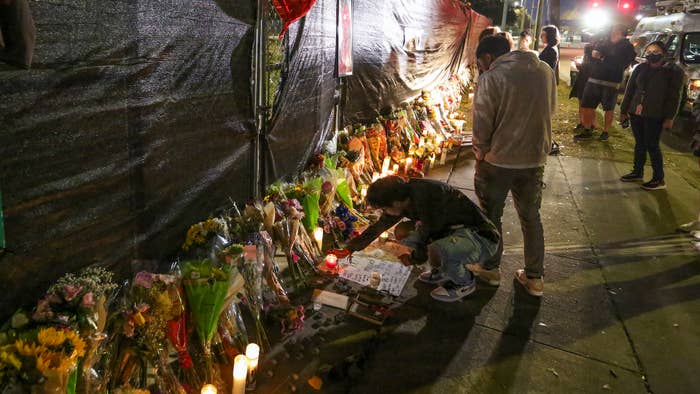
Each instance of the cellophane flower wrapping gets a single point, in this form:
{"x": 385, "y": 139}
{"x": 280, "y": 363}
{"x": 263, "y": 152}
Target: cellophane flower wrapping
{"x": 251, "y": 267}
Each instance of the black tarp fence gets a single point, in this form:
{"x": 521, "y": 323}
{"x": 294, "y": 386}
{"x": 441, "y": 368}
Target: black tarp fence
{"x": 136, "y": 120}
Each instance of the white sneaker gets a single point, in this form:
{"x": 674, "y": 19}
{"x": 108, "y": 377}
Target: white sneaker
{"x": 433, "y": 277}
{"x": 451, "y": 292}
{"x": 492, "y": 277}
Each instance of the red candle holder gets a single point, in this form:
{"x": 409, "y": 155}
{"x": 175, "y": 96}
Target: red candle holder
{"x": 331, "y": 261}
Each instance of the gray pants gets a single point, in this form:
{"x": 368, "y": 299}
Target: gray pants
{"x": 492, "y": 185}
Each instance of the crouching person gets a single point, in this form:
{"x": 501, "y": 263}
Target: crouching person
{"x": 451, "y": 232}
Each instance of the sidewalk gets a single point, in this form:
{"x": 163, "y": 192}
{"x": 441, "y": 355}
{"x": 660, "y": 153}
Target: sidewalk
{"x": 620, "y": 311}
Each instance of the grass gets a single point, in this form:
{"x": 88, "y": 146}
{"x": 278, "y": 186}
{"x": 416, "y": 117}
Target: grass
{"x": 620, "y": 146}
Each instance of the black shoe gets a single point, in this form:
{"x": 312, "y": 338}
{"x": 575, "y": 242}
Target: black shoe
{"x": 603, "y": 136}
{"x": 632, "y": 177}
{"x": 555, "y": 150}
{"x": 654, "y": 184}
{"x": 579, "y": 127}
{"x": 586, "y": 134}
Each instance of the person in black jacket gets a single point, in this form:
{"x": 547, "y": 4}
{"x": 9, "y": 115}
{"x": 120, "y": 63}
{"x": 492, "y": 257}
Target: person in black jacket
{"x": 694, "y": 226}
{"x": 452, "y": 231}
{"x": 584, "y": 72}
{"x": 651, "y": 103}
{"x": 610, "y": 59}
{"x": 550, "y": 53}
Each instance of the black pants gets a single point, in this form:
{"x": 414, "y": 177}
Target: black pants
{"x": 647, "y": 133}
{"x": 492, "y": 185}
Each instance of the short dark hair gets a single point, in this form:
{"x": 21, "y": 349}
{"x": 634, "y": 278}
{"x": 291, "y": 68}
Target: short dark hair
{"x": 526, "y": 33}
{"x": 552, "y": 34}
{"x": 384, "y": 191}
{"x": 493, "y": 45}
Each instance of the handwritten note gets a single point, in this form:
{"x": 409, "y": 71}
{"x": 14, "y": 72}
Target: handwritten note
{"x": 393, "y": 275}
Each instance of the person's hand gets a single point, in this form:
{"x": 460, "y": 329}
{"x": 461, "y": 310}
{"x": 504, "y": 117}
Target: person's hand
{"x": 624, "y": 117}
{"x": 406, "y": 260}
{"x": 668, "y": 124}
{"x": 596, "y": 54}
{"x": 340, "y": 253}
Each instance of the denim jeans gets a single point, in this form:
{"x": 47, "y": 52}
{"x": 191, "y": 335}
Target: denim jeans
{"x": 647, "y": 133}
{"x": 492, "y": 185}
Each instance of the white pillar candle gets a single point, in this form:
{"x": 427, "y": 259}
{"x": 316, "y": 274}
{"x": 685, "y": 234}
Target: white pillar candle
{"x": 252, "y": 352}
{"x": 318, "y": 236}
{"x": 409, "y": 161}
{"x": 240, "y": 372}
{"x": 396, "y": 168}
{"x": 385, "y": 165}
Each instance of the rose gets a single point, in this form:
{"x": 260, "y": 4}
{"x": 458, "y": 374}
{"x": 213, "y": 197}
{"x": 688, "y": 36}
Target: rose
{"x": 144, "y": 279}
{"x": 327, "y": 187}
{"x": 70, "y": 292}
{"x": 88, "y": 300}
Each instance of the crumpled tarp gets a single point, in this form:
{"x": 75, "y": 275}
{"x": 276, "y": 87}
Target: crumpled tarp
{"x": 400, "y": 47}
{"x": 134, "y": 122}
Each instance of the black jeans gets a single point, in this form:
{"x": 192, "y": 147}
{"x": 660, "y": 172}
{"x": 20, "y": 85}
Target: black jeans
{"x": 492, "y": 185}
{"x": 647, "y": 133}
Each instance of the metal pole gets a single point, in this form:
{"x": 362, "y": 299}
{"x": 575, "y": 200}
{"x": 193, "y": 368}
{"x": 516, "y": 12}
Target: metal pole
{"x": 259, "y": 96}
{"x": 523, "y": 12}
{"x": 505, "y": 15}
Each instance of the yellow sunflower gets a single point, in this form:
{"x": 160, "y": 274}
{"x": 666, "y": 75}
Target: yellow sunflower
{"x": 51, "y": 337}
{"x": 28, "y": 349}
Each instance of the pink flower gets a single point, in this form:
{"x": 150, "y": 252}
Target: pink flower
{"x": 144, "y": 279}
{"x": 43, "y": 310}
{"x": 70, "y": 292}
{"x": 341, "y": 226}
{"x": 88, "y": 300}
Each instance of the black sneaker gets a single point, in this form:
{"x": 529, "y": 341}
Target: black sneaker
{"x": 579, "y": 127}
{"x": 654, "y": 184}
{"x": 586, "y": 134}
{"x": 631, "y": 177}
{"x": 603, "y": 136}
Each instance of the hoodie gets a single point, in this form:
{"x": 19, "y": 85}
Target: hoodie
{"x": 513, "y": 107}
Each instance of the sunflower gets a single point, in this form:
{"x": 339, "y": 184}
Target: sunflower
{"x": 51, "y": 337}
{"x": 53, "y": 361}
{"x": 28, "y": 349}
{"x": 77, "y": 342}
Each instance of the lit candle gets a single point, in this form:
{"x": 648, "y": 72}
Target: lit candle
{"x": 318, "y": 236}
{"x": 252, "y": 352}
{"x": 240, "y": 372}
{"x": 331, "y": 261}
{"x": 363, "y": 193}
{"x": 209, "y": 389}
{"x": 384, "y": 236}
{"x": 409, "y": 161}
{"x": 375, "y": 176}
{"x": 443, "y": 156}
{"x": 396, "y": 168}
{"x": 385, "y": 165}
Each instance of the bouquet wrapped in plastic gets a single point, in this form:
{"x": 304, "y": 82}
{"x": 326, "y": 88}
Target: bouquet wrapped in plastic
{"x": 251, "y": 267}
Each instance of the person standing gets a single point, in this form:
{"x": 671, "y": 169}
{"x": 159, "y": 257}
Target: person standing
{"x": 550, "y": 53}
{"x": 610, "y": 59}
{"x": 525, "y": 41}
{"x": 512, "y": 139}
{"x": 651, "y": 103}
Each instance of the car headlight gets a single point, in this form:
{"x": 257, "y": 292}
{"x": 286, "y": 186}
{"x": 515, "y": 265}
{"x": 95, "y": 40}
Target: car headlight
{"x": 693, "y": 89}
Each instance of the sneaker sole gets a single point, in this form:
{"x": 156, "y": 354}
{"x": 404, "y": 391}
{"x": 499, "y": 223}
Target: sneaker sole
{"x": 654, "y": 188}
{"x": 631, "y": 180}
{"x": 430, "y": 282}
{"x": 439, "y": 298}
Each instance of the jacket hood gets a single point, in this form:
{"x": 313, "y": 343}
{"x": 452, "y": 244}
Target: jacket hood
{"x": 516, "y": 59}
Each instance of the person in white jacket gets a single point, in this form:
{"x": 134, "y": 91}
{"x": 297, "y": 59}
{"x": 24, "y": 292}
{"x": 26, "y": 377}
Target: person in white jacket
{"x": 513, "y": 106}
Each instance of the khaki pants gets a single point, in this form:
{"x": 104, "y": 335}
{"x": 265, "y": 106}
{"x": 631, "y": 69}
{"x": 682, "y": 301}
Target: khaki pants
{"x": 492, "y": 185}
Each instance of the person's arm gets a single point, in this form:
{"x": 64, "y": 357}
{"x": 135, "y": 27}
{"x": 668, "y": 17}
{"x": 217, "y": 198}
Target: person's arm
{"x": 484, "y": 115}
{"x": 673, "y": 92}
{"x": 372, "y": 232}
{"x": 629, "y": 92}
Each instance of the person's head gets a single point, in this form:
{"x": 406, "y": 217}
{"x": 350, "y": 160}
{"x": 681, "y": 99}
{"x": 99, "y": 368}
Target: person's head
{"x": 489, "y": 31}
{"x": 617, "y": 32}
{"x": 550, "y": 35}
{"x": 490, "y": 49}
{"x": 508, "y": 37}
{"x": 390, "y": 194}
{"x": 525, "y": 40}
{"x": 655, "y": 52}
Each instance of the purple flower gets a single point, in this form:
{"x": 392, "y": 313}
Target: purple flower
{"x": 144, "y": 279}
{"x": 327, "y": 187}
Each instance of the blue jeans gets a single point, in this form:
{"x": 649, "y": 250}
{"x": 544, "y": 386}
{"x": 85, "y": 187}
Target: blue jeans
{"x": 463, "y": 246}
{"x": 647, "y": 133}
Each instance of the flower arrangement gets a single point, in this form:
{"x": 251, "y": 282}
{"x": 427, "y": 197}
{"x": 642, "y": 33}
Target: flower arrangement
{"x": 199, "y": 233}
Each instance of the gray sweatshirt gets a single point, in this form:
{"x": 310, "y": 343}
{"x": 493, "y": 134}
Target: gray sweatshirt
{"x": 513, "y": 108}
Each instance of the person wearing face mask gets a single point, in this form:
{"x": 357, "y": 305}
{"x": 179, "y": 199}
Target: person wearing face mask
{"x": 452, "y": 231}
{"x": 651, "y": 103}
{"x": 511, "y": 140}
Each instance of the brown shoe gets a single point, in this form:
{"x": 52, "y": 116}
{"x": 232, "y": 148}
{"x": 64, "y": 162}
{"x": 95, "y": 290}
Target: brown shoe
{"x": 534, "y": 287}
{"x": 492, "y": 277}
